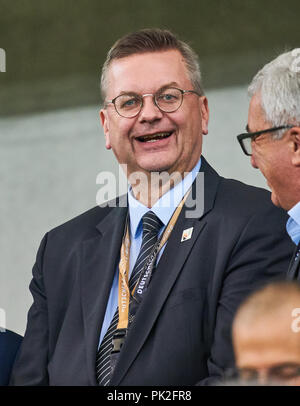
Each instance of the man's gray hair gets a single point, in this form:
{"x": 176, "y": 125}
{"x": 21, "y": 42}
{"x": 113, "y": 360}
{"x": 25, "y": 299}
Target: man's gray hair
{"x": 152, "y": 40}
{"x": 278, "y": 83}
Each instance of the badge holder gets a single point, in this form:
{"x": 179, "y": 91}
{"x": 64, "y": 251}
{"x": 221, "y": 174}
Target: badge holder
{"x": 118, "y": 340}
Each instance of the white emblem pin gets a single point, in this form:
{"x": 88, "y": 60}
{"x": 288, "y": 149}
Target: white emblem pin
{"x": 187, "y": 234}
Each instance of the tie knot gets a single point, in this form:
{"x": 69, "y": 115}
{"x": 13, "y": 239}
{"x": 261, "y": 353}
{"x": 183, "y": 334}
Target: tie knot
{"x": 151, "y": 223}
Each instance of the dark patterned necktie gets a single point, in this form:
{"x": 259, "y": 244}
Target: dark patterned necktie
{"x": 297, "y": 262}
{"x": 151, "y": 227}
{"x": 293, "y": 272}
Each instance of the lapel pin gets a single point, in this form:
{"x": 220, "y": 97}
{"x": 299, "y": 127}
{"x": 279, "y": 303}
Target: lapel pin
{"x": 187, "y": 234}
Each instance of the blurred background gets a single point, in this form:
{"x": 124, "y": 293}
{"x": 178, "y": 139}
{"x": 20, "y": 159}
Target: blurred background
{"x": 51, "y": 142}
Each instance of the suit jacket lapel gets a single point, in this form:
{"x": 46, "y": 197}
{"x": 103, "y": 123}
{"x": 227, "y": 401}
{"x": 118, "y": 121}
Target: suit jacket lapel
{"x": 160, "y": 287}
{"x": 99, "y": 261}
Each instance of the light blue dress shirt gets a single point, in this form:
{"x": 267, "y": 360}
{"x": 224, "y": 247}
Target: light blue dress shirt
{"x": 164, "y": 209}
{"x": 293, "y": 223}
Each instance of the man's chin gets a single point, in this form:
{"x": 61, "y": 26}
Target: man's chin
{"x": 155, "y": 165}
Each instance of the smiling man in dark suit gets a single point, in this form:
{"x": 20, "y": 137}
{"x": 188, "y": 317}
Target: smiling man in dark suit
{"x": 144, "y": 293}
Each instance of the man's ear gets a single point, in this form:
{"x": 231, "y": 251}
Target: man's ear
{"x": 204, "y": 114}
{"x": 105, "y": 124}
{"x": 295, "y": 135}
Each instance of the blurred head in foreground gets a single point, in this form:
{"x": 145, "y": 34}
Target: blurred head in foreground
{"x": 266, "y": 336}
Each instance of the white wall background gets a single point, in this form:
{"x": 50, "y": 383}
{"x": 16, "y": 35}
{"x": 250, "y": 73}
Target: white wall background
{"x": 48, "y": 168}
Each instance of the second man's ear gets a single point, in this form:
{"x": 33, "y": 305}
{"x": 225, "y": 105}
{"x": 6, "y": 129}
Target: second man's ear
{"x": 295, "y": 135}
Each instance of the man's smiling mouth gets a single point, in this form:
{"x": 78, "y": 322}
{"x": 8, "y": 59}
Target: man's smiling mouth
{"x": 154, "y": 137}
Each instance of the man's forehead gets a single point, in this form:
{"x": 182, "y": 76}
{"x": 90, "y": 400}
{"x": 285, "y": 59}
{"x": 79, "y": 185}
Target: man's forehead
{"x": 150, "y": 71}
{"x": 255, "y": 104}
{"x": 256, "y": 115}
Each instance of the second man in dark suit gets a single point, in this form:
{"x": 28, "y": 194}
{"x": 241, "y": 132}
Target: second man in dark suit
{"x": 273, "y": 138}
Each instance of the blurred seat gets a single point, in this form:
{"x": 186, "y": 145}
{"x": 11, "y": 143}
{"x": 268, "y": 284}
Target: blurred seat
{"x": 9, "y": 345}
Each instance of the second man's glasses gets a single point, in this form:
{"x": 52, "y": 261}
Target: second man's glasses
{"x": 246, "y": 139}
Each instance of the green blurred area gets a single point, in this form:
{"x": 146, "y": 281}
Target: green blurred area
{"x": 55, "y": 49}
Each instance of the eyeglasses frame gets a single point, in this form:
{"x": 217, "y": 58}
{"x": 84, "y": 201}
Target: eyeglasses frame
{"x": 154, "y": 95}
{"x": 256, "y": 134}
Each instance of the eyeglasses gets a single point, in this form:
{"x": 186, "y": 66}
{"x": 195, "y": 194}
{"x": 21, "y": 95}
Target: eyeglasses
{"x": 168, "y": 100}
{"x": 245, "y": 140}
{"x": 281, "y": 372}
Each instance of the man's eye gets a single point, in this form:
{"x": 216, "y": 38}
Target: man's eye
{"x": 128, "y": 103}
{"x": 286, "y": 371}
{"x": 247, "y": 374}
{"x": 255, "y": 137}
{"x": 167, "y": 97}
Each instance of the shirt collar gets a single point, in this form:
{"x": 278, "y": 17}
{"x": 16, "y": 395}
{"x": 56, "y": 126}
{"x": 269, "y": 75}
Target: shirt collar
{"x": 293, "y": 223}
{"x": 164, "y": 207}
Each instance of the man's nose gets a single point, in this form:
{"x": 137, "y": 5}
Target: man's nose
{"x": 149, "y": 111}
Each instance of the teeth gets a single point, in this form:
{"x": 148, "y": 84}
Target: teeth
{"x": 154, "y": 137}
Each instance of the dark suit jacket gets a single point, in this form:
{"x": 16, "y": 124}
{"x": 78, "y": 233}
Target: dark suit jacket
{"x": 182, "y": 330}
{"x": 9, "y": 345}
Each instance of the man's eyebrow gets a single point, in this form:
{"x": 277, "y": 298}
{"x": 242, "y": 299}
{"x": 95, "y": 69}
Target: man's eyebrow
{"x": 171, "y": 84}
{"x": 247, "y": 129}
{"x": 166, "y": 86}
{"x": 129, "y": 92}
